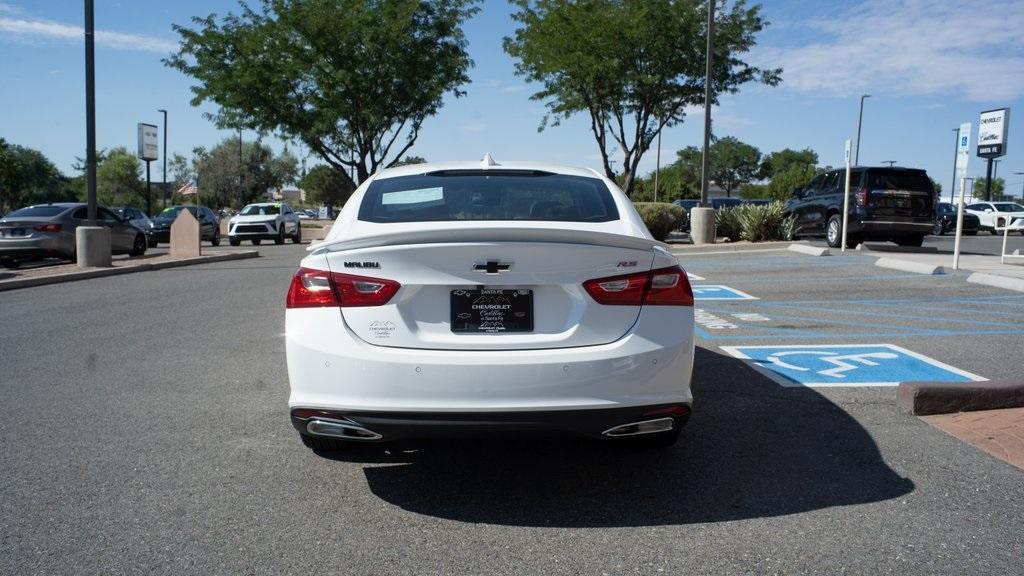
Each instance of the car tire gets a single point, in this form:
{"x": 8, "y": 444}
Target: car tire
{"x": 834, "y": 231}
{"x": 297, "y": 238}
{"x": 913, "y": 241}
{"x": 279, "y": 239}
{"x": 215, "y": 241}
{"x": 938, "y": 229}
{"x": 138, "y": 245}
{"x": 256, "y": 241}
{"x": 151, "y": 242}
{"x": 320, "y": 444}
{"x": 234, "y": 241}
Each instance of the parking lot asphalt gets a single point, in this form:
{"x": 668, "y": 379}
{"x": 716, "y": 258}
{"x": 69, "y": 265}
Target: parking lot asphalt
{"x": 144, "y": 429}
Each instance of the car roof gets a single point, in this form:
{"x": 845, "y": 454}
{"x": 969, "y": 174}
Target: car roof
{"x": 419, "y": 169}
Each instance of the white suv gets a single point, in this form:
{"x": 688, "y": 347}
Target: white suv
{"x": 478, "y": 298}
{"x": 265, "y": 221}
{"x": 993, "y": 215}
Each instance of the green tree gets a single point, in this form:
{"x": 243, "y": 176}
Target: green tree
{"x": 222, "y": 181}
{"x": 780, "y": 161}
{"x": 353, "y": 80}
{"x": 28, "y": 177}
{"x": 733, "y": 163}
{"x": 998, "y": 187}
{"x": 753, "y": 191}
{"x": 633, "y": 66}
{"x": 410, "y": 160}
{"x": 119, "y": 181}
{"x": 324, "y": 185}
{"x": 781, "y": 186}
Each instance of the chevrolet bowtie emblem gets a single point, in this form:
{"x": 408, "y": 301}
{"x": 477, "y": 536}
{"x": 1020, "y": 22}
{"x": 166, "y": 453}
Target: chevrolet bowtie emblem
{"x": 492, "y": 267}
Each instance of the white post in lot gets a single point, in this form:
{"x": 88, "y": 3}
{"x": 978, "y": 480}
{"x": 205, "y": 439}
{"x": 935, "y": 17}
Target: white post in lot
{"x": 846, "y": 196}
{"x": 963, "y": 153}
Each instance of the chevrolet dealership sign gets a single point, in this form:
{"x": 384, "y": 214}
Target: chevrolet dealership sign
{"x": 992, "y": 132}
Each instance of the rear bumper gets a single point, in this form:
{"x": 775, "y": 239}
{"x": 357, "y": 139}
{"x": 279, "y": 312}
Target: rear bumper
{"x": 330, "y": 368}
{"x": 388, "y": 426}
{"x": 883, "y": 227}
{"x": 38, "y": 247}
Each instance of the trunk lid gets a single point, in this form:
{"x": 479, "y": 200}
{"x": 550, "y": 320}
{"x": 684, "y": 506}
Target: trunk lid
{"x": 899, "y": 195}
{"x": 547, "y": 265}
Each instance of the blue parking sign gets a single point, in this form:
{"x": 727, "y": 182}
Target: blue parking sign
{"x": 718, "y": 292}
{"x": 847, "y": 365}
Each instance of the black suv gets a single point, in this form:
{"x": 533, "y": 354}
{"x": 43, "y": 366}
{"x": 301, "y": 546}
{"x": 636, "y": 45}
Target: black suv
{"x": 896, "y": 204}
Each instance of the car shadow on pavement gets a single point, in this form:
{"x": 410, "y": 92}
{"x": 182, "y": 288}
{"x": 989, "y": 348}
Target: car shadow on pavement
{"x": 752, "y": 449}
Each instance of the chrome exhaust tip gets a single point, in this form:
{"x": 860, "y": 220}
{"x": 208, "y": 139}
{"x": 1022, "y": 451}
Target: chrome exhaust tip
{"x": 640, "y": 428}
{"x": 343, "y": 429}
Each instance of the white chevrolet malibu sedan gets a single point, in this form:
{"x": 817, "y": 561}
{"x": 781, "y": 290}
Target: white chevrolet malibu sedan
{"x": 478, "y": 298}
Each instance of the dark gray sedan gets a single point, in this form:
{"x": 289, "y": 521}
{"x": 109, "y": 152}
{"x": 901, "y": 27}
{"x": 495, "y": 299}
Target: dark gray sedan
{"x": 48, "y": 231}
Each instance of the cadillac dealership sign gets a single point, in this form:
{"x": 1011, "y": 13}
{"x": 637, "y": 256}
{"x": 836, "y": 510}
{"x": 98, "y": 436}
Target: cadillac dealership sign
{"x": 992, "y": 133}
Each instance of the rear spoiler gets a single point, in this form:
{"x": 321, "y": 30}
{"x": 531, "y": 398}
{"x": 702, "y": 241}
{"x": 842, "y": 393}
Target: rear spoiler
{"x": 450, "y": 235}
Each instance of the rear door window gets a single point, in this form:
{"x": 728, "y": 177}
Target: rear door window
{"x": 490, "y": 195}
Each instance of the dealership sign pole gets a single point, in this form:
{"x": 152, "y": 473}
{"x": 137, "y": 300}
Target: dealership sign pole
{"x": 992, "y": 136}
{"x": 963, "y": 153}
{"x": 846, "y": 197}
{"x": 148, "y": 151}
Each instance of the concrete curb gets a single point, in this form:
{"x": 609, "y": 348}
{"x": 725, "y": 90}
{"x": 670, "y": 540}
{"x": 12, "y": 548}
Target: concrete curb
{"x": 998, "y": 281}
{"x": 104, "y": 272}
{"x": 909, "y": 266}
{"x": 809, "y": 250}
{"x": 924, "y": 398}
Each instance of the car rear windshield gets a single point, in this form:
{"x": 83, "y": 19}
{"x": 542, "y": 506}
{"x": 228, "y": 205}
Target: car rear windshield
{"x": 37, "y": 212}
{"x": 914, "y": 181}
{"x": 173, "y": 211}
{"x": 475, "y": 195}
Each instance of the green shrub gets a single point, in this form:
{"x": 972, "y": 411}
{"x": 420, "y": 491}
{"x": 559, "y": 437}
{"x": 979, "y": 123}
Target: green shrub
{"x": 661, "y": 218}
{"x": 754, "y": 223}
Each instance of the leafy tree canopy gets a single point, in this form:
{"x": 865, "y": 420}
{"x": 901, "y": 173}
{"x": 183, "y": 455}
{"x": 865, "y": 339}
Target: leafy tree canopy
{"x": 118, "y": 179}
{"x": 325, "y": 185}
{"x": 780, "y": 161}
{"x": 222, "y": 181}
{"x": 28, "y": 177}
{"x": 998, "y": 187}
{"x": 632, "y": 66}
{"x": 352, "y": 79}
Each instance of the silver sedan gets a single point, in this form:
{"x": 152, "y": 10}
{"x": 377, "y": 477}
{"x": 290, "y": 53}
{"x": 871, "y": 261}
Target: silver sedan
{"x": 48, "y": 231}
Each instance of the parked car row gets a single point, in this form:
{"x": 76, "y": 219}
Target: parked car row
{"x": 48, "y": 231}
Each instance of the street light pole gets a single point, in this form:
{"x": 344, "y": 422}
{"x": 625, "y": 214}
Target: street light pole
{"x": 889, "y": 162}
{"x": 90, "y": 114}
{"x": 657, "y": 167}
{"x": 860, "y": 116}
{"x": 1021, "y": 185}
{"x": 709, "y": 57}
{"x": 956, "y": 148}
{"x": 163, "y": 185}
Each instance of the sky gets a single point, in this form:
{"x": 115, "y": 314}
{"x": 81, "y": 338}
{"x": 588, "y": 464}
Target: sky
{"x": 928, "y": 65}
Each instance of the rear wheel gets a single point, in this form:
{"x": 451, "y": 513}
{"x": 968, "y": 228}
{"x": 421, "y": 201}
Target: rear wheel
{"x": 320, "y": 444}
{"x": 297, "y": 238}
{"x": 234, "y": 241}
{"x": 138, "y": 245}
{"x": 834, "y": 231}
{"x": 215, "y": 241}
{"x": 913, "y": 241}
{"x": 938, "y": 229}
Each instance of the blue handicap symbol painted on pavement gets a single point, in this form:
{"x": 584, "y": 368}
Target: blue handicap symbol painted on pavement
{"x": 847, "y": 365}
{"x": 717, "y": 292}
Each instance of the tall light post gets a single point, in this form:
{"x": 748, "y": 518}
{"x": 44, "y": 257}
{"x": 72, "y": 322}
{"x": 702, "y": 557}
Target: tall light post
{"x": 657, "y": 167}
{"x": 708, "y": 60}
{"x": 163, "y": 185}
{"x": 956, "y": 148}
{"x": 1021, "y": 185}
{"x": 90, "y": 114}
{"x": 860, "y": 117}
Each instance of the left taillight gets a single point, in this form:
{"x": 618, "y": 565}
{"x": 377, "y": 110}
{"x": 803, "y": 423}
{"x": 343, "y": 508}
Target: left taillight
{"x": 322, "y": 289}
{"x": 47, "y": 227}
{"x": 662, "y": 287}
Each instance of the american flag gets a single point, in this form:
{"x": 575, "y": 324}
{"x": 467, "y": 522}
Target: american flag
{"x": 187, "y": 189}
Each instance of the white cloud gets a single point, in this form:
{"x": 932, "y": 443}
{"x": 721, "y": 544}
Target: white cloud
{"x": 970, "y": 48}
{"x": 22, "y": 29}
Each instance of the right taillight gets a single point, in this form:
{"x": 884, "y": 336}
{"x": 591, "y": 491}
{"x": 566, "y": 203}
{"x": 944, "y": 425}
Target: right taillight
{"x": 662, "y": 287}
{"x": 319, "y": 289}
{"x": 861, "y": 196}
